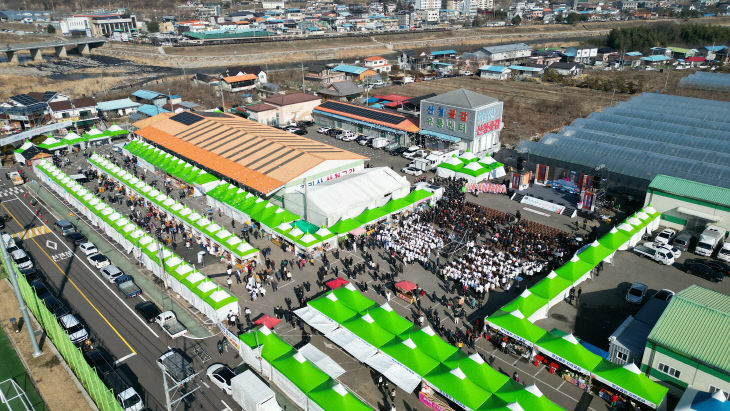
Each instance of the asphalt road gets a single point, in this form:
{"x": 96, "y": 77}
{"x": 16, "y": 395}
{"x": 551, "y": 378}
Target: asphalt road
{"x": 111, "y": 320}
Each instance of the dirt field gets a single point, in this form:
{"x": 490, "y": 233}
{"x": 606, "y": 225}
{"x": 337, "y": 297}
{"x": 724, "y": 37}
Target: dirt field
{"x": 530, "y": 109}
{"x": 51, "y": 379}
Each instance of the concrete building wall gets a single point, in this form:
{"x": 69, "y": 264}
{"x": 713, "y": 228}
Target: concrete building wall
{"x": 691, "y": 373}
{"x": 672, "y": 208}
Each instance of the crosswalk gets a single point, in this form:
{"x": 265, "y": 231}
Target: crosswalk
{"x": 32, "y": 232}
{"x": 10, "y": 191}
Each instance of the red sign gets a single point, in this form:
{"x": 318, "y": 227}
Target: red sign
{"x": 488, "y": 127}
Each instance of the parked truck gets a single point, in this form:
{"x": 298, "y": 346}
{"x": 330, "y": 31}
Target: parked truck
{"x": 168, "y": 321}
{"x": 662, "y": 256}
{"x": 126, "y": 285}
{"x": 709, "y": 240}
{"x": 252, "y": 394}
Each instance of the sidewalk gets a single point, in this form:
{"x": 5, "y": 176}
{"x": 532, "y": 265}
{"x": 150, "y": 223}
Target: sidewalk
{"x": 151, "y": 290}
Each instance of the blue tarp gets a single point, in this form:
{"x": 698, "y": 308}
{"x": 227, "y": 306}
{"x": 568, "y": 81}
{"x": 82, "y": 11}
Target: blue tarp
{"x": 595, "y": 350}
{"x": 441, "y": 136}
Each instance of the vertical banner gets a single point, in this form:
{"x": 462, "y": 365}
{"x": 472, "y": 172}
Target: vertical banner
{"x": 541, "y": 174}
{"x": 586, "y": 199}
{"x": 515, "y": 181}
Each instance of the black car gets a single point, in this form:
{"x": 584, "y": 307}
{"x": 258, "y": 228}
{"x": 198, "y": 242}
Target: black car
{"x": 98, "y": 360}
{"x": 399, "y": 151}
{"x": 296, "y": 130}
{"x": 702, "y": 270}
{"x": 55, "y": 306}
{"x": 334, "y": 132}
{"x": 361, "y": 138}
{"x": 148, "y": 310}
{"x": 718, "y": 266}
{"x": 40, "y": 288}
{"x": 77, "y": 238}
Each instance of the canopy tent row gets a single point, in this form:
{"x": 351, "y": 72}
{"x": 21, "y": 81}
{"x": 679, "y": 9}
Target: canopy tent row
{"x": 239, "y": 249}
{"x": 406, "y": 355}
{"x": 203, "y": 293}
{"x": 516, "y": 318}
{"x": 471, "y": 168}
{"x": 178, "y": 168}
{"x": 301, "y": 380}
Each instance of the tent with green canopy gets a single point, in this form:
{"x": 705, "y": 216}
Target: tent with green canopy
{"x": 453, "y": 384}
{"x": 334, "y": 396}
{"x": 574, "y": 269}
{"x": 332, "y": 308}
{"x": 566, "y": 349}
{"x": 386, "y": 317}
{"x": 615, "y": 239}
{"x": 515, "y": 325}
{"x": 371, "y": 215}
{"x": 527, "y": 303}
{"x": 295, "y": 376}
{"x": 344, "y": 226}
{"x": 477, "y": 370}
{"x": 430, "y": 343}
{"x": 551, "y": 286}
{"x": 366, "y": 328}
{"x": 595, "y": 253}
{"x": 417, "y": 195}
{"x": 405, "y": 351}
{"x": 529, "y": 398}
{"x": 629, "y": 380}
{"x": 351, "y": 298}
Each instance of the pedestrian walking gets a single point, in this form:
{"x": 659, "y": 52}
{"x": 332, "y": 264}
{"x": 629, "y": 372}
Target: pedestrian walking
{"x": 515, "y": 376}
{"x": 238, "y": 276}
{"x": 387, "y": 295}
{"x": 392, "y": 396}
{"x": 230, "y": 282}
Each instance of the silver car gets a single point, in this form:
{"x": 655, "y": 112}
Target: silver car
{"x": 636, "y": 293}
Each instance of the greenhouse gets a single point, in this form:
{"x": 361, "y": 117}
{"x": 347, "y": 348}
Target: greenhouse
{"x": 640, "y": 138}
{"x": 707, "y": 81}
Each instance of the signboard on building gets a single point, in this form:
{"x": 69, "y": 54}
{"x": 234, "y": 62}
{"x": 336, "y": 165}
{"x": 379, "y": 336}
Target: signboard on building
{"x": 466, "y": 124}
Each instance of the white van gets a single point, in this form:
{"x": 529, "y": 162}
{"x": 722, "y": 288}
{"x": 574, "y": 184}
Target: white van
{"x": 724, "y": 253}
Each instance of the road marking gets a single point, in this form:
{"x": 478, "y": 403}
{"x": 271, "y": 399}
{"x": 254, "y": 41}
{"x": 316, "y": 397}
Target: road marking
{"x": 31, "y": 232}
{"x": 103, "y": 281}
{"x": 52, "y": 245}
{"x": 206, "y": 384}
{"x": 126, "y": 357}
{"x": 226, "y": 405}
{"x": 75, "y": 286}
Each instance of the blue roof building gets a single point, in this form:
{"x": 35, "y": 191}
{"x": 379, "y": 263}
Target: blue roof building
{"x": 150, "y": 110}
{"x": 346, "y": 68}
{"x": 494, "y": 69}
{"x": 121, "y": 104}
{"x": 443, "y": 52}
{"x": 147, "y": 94}
{"x": 657, "y": 58}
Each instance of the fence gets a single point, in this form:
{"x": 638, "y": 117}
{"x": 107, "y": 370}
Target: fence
{"x": 102, "y": 396}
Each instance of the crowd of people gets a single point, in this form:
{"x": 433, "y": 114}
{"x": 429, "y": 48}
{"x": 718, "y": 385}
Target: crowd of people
{"x": 410, "y": 238}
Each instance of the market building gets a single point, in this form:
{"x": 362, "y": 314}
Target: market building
{"x": 688, "y": 346}
{"x": 257, "y": 157}
{"x": 469, "y": 120}
{"x": 371, "y": 122}
{"x": 689, "y": 204}
{"x": 627, "y": 145}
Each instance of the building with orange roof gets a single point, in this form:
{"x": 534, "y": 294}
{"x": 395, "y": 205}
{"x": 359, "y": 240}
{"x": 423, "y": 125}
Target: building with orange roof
{"x": 239, "y": 83}
{"x": 379, "y": 64}
{"x": 396, "y": 127}
{"x": 263, "y": 159}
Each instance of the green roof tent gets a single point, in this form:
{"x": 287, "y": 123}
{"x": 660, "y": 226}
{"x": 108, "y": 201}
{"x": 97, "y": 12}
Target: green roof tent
{"x": 344, "y": 226}
{"x": 417, "y": 195}
{"x": 386, "y": 317}
{"x": 331, "y": 307}
{"x": 595, "y": 253}
{"x": 331, "y": 396}
{"x": 574, "y": 269}
{"x": 405, "y": 351}
{"x": 430, "y": 343}
{"x": 629, "y": 380}
{"x": 478, "y": 371}
{"x": 455, "y": 385}
{"x": 566, "y": 349}
{"x": 366, "y": 328}
{"x": 273, "y": 345}
{"x": 527, "y": 303}
{"x": 516, "y": 325}
{"x": 352, "y": 299}
{"x": 371, "y": 215}
{"x": 615, "y": 239}
{"x": 302, "y": 373}
{"x": 551, "y": 286}
{"x": 529, "y": 398}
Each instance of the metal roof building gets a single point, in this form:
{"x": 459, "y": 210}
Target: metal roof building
{"x": 688, "y": 346}
{"x": 637, "y": 139}
{"x": 688, "y": 204}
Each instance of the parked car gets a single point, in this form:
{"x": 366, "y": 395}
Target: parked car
{"x": 88, "y": 248}
{"x": 349, "y": 136}
{"x": 664, "y": 247}
{"x": 334, "y": 132}
{"x": 65, "y": 227}
{"x": 76, "y": 237}
{"x": 662, "y": 256}
{"x": 73, "y": 327}
{"x": 665, "y": 236}
{"x": 96, "y": 359}
{"x": 366, "y": 141}
{"x": 111, "y": 273}
{"x": 683, "y": 240}
{"x": 664, "y": 295}
{"x": 361, "y": 138}
{"x": 702, "y": 270}
{"x": 296, "y": 130}
{"x": 21, "y": 259}
{"x": 221, "y": 376}
{"x": 98, "y": 260}
{"x": 40, "y": 288}
{"x": 148, "y": 310}
{"x": 636, "y": 293}
{"x": 55, "y": 306}
{"x": 398, "y": 151}
{"x": 718, "y": 266}
{"x": 411, "y": 171}
{"x": 323, "y": 130}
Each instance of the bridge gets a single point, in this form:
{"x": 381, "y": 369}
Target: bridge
{"x": 60, "y": 47}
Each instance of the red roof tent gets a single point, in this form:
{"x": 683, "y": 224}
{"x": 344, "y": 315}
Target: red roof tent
{"x": 695, "y": 59}
{"x": 405, "y": 285}
{"x": 268, "y": 321}
{"x": 336, "y": 283}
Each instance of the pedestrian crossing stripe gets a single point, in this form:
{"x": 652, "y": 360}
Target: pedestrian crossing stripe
{"x": 11, "y": 191}
{"x": 32, "y": 232}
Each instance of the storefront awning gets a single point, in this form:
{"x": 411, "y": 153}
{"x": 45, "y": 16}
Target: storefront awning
{"x": 700, "y": 214}
{"x": 440, "y": 136}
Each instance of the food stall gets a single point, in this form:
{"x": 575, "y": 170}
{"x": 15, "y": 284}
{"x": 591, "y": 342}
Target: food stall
{"x": 405, "y": 290}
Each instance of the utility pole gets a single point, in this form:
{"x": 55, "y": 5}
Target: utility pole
{"x": 220, "y": 86}
{"x": 21, "y": 303}
{"x": 302, "y": 76}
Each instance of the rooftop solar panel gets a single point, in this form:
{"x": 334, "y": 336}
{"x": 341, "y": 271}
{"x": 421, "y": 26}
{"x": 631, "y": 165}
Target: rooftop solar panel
{"x": 363, "y": 112}
{"x": 186, "y": 118}
{"x": 47, "y": 95}
{"x": 24, "y": 99}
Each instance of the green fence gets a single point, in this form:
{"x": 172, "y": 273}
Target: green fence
{"x": 102, "y": 396}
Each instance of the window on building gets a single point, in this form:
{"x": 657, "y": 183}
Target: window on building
{"x": 622, "y": 356}
{"x": 359, "y": 128}
{"x": 339, "y": 124}
{"x": 673, "y": 372}
{"x": 714, "y": 389}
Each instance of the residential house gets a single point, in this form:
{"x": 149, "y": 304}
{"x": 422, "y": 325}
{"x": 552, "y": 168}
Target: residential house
{"x": 81, "y": 111}
{"x": 116, "y": 108}
{"x": 507, "y": 53}
{"x": 355, "y": 73}
{"x": 379, "y": 64}
{"x": 242, "y": 70}
{"x": 293, "y": 107}
{"x": 346, "y": 91}
{"x": 151, "y": 97}
{"x": 24, "y": 111}
{"x": 323, "y": 75}
{"x": 414, "y": 60}
{"x": 263, "y": 113}
{"x": 521, "y": 72}
{"x": 495, "y": 72}
{"x": 428, "y": 16}
{"x": 580, "y": 54}
{"x": 716, "y": 53}
{"x": 567, "y": 68}
{"x": 656, "y": 59}
{"x": 239, "y": 83}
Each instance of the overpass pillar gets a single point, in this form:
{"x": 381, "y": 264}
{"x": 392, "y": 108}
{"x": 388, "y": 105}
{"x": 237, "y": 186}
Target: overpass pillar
{"x": 60, "y": 52}
{"x": 84, "y": 49}
{"x": 36, "y": 54}
{"x": 12, "y": 56}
